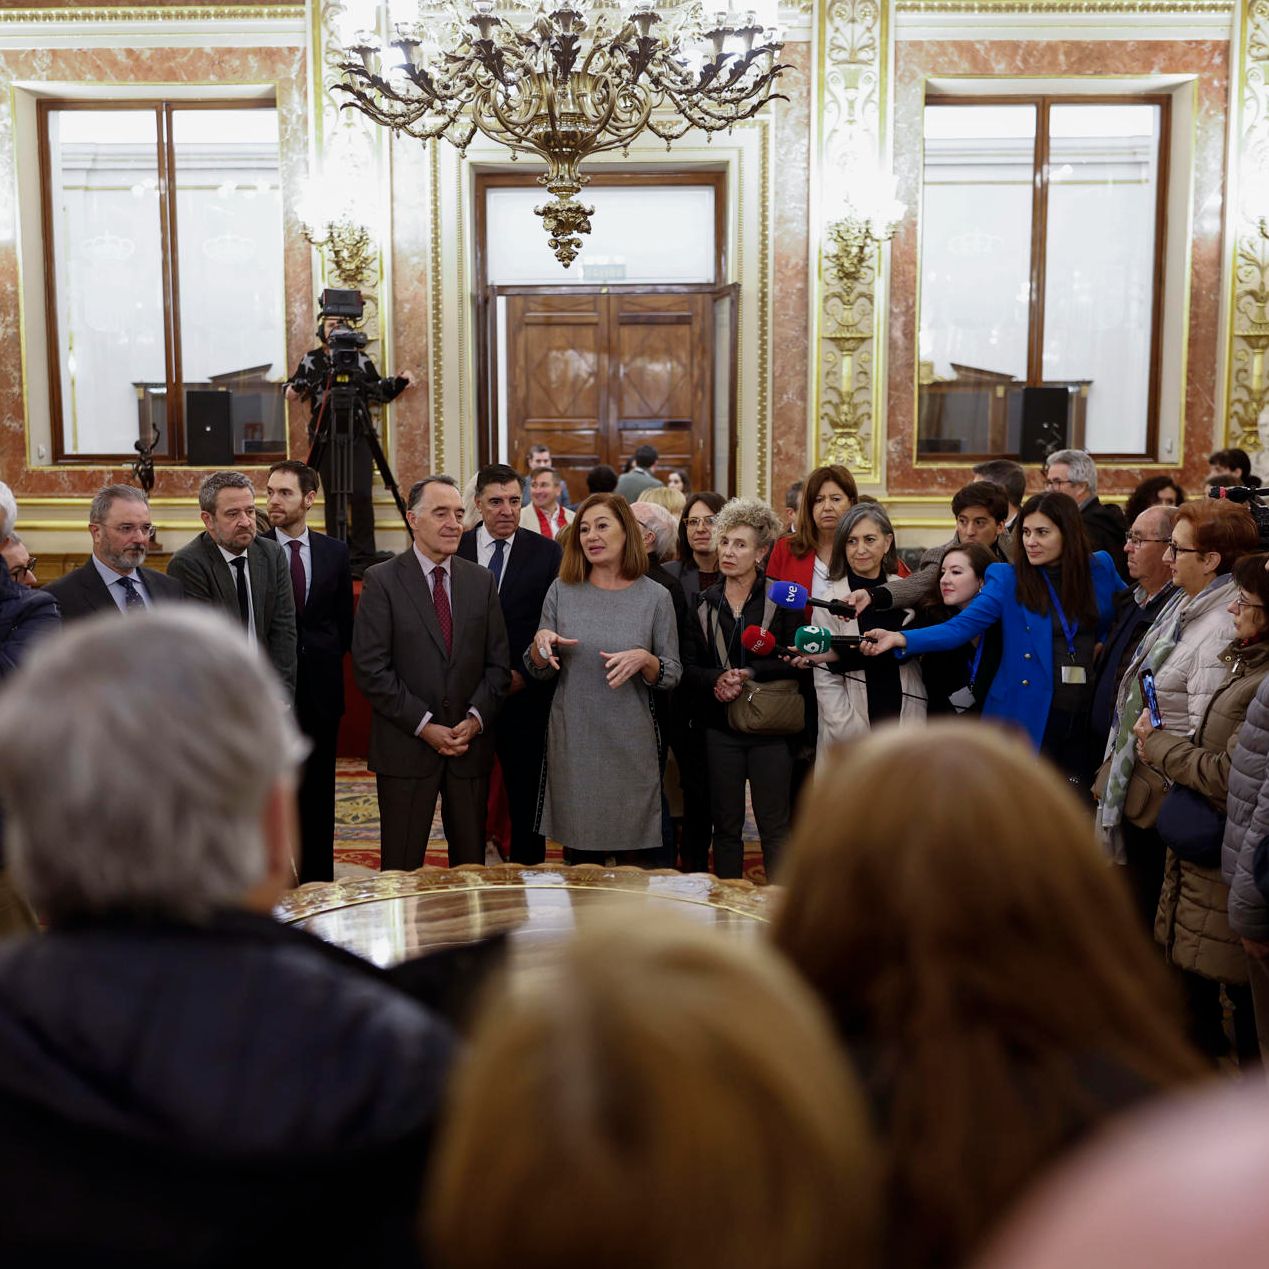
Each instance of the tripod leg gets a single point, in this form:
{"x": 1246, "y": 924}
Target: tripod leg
{"x": 381, "y": 461}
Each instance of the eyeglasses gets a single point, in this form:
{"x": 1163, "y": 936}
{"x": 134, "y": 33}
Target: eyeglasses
{"x": 1240, "y": 603}
{"x": 701, "y": 522}
{"x": 129, "y": 529}
{"x": 1053, "y": 484}
{"x": 1182, "y": 550}
{"x": 19, "y": 571}
{"x": 1135, "y": 539}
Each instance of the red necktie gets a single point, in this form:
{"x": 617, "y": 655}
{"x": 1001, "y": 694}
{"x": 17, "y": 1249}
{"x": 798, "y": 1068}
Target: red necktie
{"x": 298, "y": 585}
{"x": 444, "y": 617}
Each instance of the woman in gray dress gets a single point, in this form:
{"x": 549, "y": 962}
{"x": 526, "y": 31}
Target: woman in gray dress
{"x": 609, "y": 632}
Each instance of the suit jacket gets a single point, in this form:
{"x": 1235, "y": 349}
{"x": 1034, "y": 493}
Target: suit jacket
{"x": 1023, "y": 687}
{"x": 534, "y": 563}
{"x": 323, "y": 629}
{"x": 1106, "y": 529}
{"x": 529, "y": 519}
{"x": 405, "y": 673}
{"x": 82, "y": 592}
{"x": 203, "y": 572}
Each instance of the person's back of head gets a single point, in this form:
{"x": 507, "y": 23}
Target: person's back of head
{"x": 8, "y": 513}
{"x": 1010, "y": 476}
{"x": 683, "y": 1096}
{"x": 646, "y": 456}
{"x": 144, "y": 762}
{"x": 601, "y": 479}
{"x": 980, "y": 958}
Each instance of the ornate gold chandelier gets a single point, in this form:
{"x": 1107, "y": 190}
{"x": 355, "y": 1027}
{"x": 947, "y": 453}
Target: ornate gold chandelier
{"x": 564, "y": 86}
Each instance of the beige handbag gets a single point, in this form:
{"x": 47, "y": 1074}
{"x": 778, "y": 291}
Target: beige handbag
{"x": 1144, "y": 795}
{"x": 774, "y": 708}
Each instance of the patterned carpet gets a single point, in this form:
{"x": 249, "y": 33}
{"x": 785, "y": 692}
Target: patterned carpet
{"x": 357, "y": 829}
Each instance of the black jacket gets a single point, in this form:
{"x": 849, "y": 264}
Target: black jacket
{"x": 194, "y": 1094}
{"x": 82, "y": 592}
{"x": 1106, "y": 529}
{"x": 702, "y": 664}
{"x": 1128, "y": 627}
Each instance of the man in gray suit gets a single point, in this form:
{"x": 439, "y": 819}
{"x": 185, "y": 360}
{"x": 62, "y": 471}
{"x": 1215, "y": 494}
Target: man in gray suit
{"x": 430, "y": 654}
{"x": 247, "y": 576}
{"x": 113, "y": 577}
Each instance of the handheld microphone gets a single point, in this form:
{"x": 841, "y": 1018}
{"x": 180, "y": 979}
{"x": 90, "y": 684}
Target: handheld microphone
{"x": 791, "y": 595}
{"x": 761, "y": 642}
{"x": 812, "y": 640}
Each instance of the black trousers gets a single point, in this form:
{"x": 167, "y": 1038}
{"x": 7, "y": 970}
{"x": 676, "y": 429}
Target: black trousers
{"x": 520, "y": 739}
{"x": 317, "y": 800}
{"x": 767, "y": 764}
{"x": 698, "y": 822}
{"x": 1143, "y": 870}
{"x": 406, "y": 808}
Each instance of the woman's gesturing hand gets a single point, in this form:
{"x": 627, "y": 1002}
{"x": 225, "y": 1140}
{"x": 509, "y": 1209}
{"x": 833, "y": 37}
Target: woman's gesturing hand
{"x": 545, "y": 648}
{"x": 623, "y": 666}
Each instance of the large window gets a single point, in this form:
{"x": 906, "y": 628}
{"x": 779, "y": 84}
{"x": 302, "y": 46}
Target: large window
{"x": 1041, "y": 275}
{"x": 163, "y": 233}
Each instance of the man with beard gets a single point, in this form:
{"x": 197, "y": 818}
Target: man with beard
{"x": 321, "y": 584}
{"x": 230, "y": 567}
{"x": 113, "y": 576}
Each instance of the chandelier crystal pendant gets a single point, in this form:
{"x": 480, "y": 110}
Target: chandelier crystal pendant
{"x": 564, "y": 84}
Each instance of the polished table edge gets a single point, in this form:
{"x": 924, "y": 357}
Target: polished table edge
{"x": 734, "y": 895}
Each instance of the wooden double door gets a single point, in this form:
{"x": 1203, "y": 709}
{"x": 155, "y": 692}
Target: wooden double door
{"x": 594, "y": 373}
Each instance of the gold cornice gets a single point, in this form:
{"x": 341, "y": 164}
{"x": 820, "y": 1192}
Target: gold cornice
{"x": 1100, "y": 8}
{"x": 166, "y": 13}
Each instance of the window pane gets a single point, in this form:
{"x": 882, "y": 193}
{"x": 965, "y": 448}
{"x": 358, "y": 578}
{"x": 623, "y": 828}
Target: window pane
{"x": 229, "y": 252}
{"x": 975, "y": 276}
{"x": 107, "y": 263}
{"x": 1100, "y": 265}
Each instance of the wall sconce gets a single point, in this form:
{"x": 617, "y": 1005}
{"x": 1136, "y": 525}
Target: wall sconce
{"x": 871, "y": 216}
{"x": 330, "y": 222}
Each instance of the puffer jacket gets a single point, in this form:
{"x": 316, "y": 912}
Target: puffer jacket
{"x": 1193, "y": 670}
{"x": 1192, "y": 920}
{"x": 1247, "y": 822}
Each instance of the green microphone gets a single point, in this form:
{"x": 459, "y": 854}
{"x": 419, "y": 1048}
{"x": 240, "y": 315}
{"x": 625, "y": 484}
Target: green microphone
{"x": 812, "y": 640}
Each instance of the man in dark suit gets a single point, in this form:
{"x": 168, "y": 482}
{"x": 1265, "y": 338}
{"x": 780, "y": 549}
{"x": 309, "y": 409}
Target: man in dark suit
{"x": 113, "y": 576}
{"x": 1072, "y": 471}
{"x": 430, "y": 655}
{"x": 321, "y": 583}
{"x": 523, "y": 565}
{"x": 247, "y": 576}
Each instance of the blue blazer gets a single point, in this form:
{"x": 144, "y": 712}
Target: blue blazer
{"x": 1022, "y": 690}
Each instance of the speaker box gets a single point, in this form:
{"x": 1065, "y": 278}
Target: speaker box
{"x": 209, "y": 438}
{"x": 1045, "y": 422}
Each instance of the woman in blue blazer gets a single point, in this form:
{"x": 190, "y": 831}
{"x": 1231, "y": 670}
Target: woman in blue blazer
{"x": 1054, "y": 605}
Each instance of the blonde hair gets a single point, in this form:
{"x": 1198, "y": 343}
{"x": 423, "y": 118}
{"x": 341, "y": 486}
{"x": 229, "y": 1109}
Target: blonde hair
{"x": 680, "y": 1096}
{"x": 673, "y": 500}
{"x": 982, "y": 956}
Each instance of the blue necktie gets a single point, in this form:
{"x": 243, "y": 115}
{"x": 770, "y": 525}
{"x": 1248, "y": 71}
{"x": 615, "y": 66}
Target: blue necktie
{"x": 132, "y": 596}
{"x": 495, "y": 564}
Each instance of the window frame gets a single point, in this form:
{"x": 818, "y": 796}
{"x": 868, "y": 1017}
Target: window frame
{"x": 162, "y": 109}
{"x": 1043, "y": 104}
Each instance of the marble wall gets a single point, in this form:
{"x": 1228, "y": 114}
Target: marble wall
{"x": 917, "y": 60}
{"x": 790, "y": 327}
{"x": 282, "y": 67}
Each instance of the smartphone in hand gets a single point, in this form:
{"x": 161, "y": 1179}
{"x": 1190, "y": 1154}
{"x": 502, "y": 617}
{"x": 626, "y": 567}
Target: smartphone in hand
{"x": 1150, "y": 697}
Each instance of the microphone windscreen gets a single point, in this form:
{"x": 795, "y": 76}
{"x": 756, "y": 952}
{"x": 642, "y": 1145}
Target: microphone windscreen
{"x": 812, "y": 640}
{"x": 787, "y": 594}
{"x": 758, "y": 641}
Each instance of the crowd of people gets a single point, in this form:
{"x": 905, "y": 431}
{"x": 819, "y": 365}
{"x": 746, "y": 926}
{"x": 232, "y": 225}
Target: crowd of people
{"x": 953, "y": 998}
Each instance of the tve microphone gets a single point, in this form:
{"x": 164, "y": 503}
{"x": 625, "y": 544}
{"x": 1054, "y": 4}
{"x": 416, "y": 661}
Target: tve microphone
{"x": 791, "y": 595}
{"x": 812, "y": 640}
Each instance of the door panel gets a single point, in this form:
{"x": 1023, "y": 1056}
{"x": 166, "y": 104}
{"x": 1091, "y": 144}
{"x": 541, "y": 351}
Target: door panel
{"x": 556, "y": 382}
{"x": 595, "y": 375}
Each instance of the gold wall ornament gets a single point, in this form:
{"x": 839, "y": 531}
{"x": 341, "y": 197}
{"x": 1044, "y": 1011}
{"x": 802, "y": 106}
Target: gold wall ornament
{"x": 564, "y": 84}
{"x": 1248, "y": 391}
{"x": 352, "y": 252}
{"x": 145, "y": 13}
{"x": 852, "y": 59}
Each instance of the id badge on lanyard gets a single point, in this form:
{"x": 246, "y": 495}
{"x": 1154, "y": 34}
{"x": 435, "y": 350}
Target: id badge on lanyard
{"x": 1071, "y": 673}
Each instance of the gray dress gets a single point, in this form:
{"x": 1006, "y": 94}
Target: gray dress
{"x": 602, "y": 785}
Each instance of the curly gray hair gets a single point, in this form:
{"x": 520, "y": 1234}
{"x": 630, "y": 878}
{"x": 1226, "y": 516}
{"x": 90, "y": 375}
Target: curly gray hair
{"x": 748, "y": 513}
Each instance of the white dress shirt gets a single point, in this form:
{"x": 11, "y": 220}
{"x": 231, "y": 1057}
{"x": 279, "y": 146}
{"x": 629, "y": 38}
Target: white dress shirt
{"x": 306, "y": 553}
{"x": 485, "y": 550}
{"x": 233, "y": 573}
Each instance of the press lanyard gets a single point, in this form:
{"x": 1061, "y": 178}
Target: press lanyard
{"x": 975, "y": 663}
{"x": 1068, "y": 629}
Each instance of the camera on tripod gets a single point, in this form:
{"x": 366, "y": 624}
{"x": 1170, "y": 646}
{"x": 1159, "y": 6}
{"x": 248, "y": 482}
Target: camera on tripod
{"x": 344, "y": 343}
